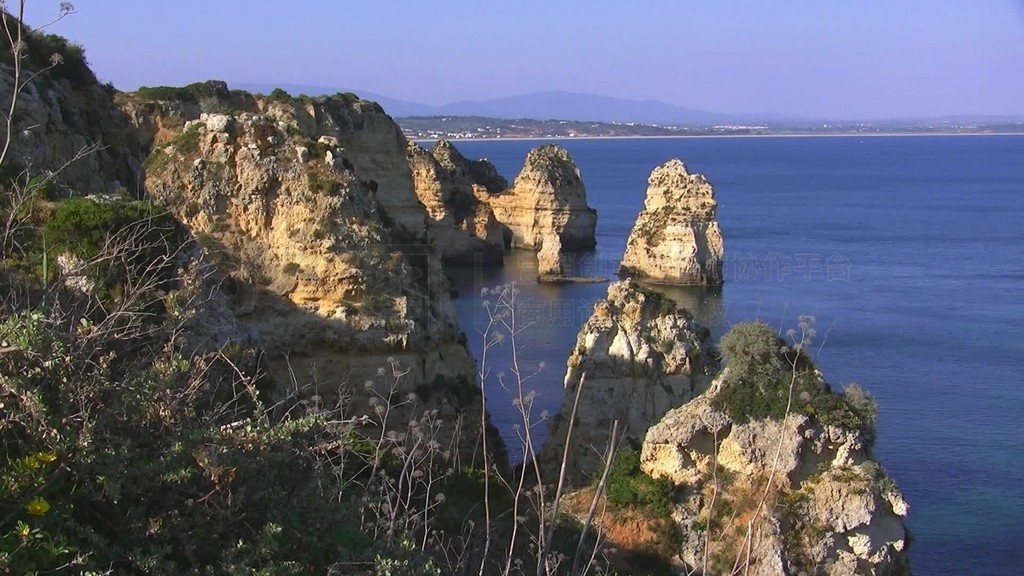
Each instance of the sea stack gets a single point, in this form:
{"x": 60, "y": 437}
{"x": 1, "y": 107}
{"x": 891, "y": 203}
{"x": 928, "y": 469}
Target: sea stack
{"x": 676, "y": 239}
{"x": 546, "y": 199}
{"x": 642, "y": 357}
{"x": 459, "y": 225}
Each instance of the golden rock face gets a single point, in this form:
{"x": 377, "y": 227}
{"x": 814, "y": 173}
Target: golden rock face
{"x": 676, "y": 239}
{"x": 547, "y": 198}
{"x": 309, "y": 210}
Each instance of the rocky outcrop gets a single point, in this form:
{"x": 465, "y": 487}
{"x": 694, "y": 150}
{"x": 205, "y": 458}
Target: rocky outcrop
{"x": 676, "y": 239}
{"x": 547, "y": 199}
{"x": 369, "y": 140}
{"x": 641, "y": 357}
{"x": 316, "y": 262}
{"x": 67, "y": 125}
{"x": 830, "y": 509}
{"x": 551, "y": 263}
{"x": 460, "y": 225}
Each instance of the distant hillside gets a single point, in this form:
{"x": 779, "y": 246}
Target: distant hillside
{"x": 578, "y": 107}
{"x": 584, "y": 107}
{"x": 539, "y": 106}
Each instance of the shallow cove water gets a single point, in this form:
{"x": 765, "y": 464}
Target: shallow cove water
{"x": 907, "y": 250}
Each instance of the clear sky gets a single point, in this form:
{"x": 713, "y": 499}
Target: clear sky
{"x": 812, "y": 58}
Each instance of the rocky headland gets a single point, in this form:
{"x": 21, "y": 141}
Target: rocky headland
{"x": 216, "y": 296}
{"x": 788, "y": 496}
{"x": 309, "y": 211}
{"x": 453, "y": 189}
{"x": 676, "y": 238}
{"x": 756, "y": 482}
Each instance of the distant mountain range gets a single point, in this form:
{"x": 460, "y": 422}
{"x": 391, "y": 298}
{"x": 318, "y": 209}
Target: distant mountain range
{"x": 544, "y": 106}
{"x": 590, "y": 107}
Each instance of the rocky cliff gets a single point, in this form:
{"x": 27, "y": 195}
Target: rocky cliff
{"x": 68, "y": 125}
{"x": 547, "y": 198}
{"x": 316, "y": 240}
{"x": 642, "y": 357}
{"x": 676, "y": 239}
{"x": 450, "y": 187}
{"x": 827, "y": 508}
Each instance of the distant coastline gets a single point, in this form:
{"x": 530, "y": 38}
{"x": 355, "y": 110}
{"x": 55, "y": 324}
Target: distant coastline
{"x": 698, "y": 136}
{"x": 463, "y": 128}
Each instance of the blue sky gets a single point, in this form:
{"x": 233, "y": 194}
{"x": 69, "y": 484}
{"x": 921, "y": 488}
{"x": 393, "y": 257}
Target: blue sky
{"x": 815, "y": 58}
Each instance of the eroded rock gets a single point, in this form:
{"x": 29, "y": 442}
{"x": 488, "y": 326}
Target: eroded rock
{"x": 547, "y": 199}
{"x": 827, "y": 506}
{"x": 676, "y": 239}
{"x": 460, "y": 225}
{"x": 642, "y": 357}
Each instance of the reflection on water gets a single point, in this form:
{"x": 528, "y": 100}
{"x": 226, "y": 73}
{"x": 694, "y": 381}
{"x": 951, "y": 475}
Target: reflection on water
{"x": 549, "y": 317}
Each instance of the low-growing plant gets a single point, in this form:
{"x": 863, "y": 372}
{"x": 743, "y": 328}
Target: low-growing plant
{"x": 628, "y": 486}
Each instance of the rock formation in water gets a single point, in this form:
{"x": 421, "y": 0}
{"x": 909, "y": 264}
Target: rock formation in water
{"x": 308, "y": 205}
{"x": 547, "y": 199}
{"x": 460, "y": 225}
{"x": 831, "y": 509}
{"x": 551, "y": 263}
{"x": 642, "y": 357}
{"x": 676, "y": 239}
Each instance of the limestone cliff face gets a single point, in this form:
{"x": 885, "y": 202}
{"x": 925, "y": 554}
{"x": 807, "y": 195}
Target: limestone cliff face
{"x": 676, "y": 239}
{"x": 642, "y": 357}
{"x": 460, "y": 225}
{"x": 368, "y": 139}
{"x": 318, "y": 264}
{"x": 547, "y": 198}
{"x": 70, "y": 126}
{"x": 831, "y": 509}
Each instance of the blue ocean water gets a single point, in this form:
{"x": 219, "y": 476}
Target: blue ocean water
{"x": 909, "y": 252}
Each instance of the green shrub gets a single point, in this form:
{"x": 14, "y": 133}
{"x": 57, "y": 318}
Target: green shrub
{"x": 761, "y": 368}
{"x": 144, "y": 239}
{"x": 280, "y": 95}
{"x": 629, "y": 487}
{"x": 173, "y": 93}
{"x": 44, "y": 50}
{"x": 187, "y": 142}
{"x": 157, "y": 161}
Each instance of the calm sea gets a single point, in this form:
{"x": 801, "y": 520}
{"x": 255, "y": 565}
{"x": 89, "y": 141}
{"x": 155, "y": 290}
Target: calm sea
{"x": 908, "y": 251}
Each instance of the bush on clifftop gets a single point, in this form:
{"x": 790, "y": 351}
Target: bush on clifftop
{"x": 762, "y": 367}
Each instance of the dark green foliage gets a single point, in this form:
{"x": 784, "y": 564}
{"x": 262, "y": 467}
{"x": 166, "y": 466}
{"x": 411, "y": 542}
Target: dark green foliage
{"x": 280, "y": 95}
{"x": 165, "y": 93}
{"x": 761, "y": 369}
{"x": 628, "y": 486}
{"x": 139, "y": 239}
{"x": 157, "y": 161}
{"x": 65, "y": 59}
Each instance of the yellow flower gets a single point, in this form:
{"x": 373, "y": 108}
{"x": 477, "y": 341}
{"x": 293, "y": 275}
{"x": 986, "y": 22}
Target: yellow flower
{"x": 31, "y": 462}
{"x": 37, "y": 506}
{"x": 46, "y": 457}
{"x": 23, "y": 530}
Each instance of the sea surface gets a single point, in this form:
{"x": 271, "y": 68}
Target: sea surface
{"x": 909, "y": 253}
